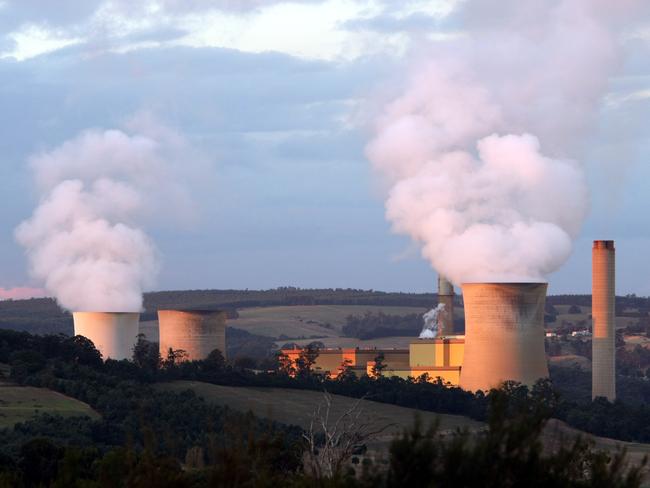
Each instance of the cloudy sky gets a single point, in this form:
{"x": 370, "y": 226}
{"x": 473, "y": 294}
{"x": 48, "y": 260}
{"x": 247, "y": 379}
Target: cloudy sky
{"x": 275, "y": 100}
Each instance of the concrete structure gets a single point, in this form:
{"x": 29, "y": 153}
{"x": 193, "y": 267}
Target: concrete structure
{"x": 504, "y": 334}
{"x": 438, "y": 358}
{"x": 446, "y": 297}
{"x": 113, "y": 333}
{"x": 603, "y": 382}
{"x": 197, "y": 332}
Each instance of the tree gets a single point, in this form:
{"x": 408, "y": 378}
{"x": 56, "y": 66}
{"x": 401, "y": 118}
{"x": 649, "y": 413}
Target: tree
{"x": 285, "y": 365}
{"x": 509, "y": 453}
{"x": 331, "y": 442}
{"x": 306, "y": 360}
{"x": 378, "y": 366}
{"x": 215, "y": 360}
{"x": 345, "y": 371}
{"x": 174, "y": 356}
{"x": 146, "y": 355}
{"x": 81, "y": 350}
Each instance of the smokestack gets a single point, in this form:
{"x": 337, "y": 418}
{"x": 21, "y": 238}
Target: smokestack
{"x": 197, "y": 332}
{"x": 504, "y": 334}
{"x": 603, "y": 378}
{"x": 113, "y": 333}
{"x": 446, "y": 297}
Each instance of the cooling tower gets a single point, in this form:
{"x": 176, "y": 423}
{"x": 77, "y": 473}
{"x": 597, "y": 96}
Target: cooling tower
{"x": 113, "y": 333}
{"x": 446, "y": 297}
{"x": 603, "y": 378}
{"x": 197, "y": 332}
{"x": 504, "y": 334}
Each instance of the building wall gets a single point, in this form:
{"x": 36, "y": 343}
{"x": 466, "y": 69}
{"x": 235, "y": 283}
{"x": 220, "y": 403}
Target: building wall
{"x": 198, "y": 333}
{"x": 439, "y": 352}
{"x": 114, "y": 334}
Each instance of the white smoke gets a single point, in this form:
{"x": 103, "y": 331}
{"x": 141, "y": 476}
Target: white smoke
{"x": 479, "y": 150}
{"x": 430, "y": 328}
{"x": 84, "y": 240}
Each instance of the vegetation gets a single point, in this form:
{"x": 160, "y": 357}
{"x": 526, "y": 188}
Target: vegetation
{"x": 372, "y": 325}
{"x": 148, "y": 436}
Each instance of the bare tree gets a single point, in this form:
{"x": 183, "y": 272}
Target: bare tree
{"x": 332, "y": 442}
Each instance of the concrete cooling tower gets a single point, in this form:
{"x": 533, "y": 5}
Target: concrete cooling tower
{"x": 113, "y": 333}
{"x": 446, "y": 297}
{"x": 197, "y": 332}
{"x": 603, "y": 382}
{"x": 504, "y": 334}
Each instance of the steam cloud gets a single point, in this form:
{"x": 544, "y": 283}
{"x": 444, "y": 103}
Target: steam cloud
{"x": 84, "y": 240}
{"x": 430, "y": 328}
{"x": 478, "y": 150}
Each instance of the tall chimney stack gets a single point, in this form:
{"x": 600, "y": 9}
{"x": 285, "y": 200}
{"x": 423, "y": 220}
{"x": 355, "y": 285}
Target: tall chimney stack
{"x": 603, "y": 377}
{"x": 446, "y": 297}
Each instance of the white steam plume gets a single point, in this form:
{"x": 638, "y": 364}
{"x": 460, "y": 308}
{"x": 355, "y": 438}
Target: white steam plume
{"x": 430, "y": 328}
{"x": 479, "y": 150}
{"x": 84, "y": 240}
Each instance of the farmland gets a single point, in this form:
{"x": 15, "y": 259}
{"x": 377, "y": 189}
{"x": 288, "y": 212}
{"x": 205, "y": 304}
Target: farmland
{"x": 291, "y": 406}
{"x": 20, "y": 403}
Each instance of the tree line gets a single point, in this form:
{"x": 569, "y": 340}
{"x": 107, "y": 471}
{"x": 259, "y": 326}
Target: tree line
{"x": 151, "y": 437}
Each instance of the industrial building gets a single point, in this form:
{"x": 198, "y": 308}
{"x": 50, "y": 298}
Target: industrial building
{"x": 196, "y": 332}
{"x": 504, "y": 340}
{"x": 504, "y": 336}
{"x": 113, "y": 333}
{"x": 441, "y": 357}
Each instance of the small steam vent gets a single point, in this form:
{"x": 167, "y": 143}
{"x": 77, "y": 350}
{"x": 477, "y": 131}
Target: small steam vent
{"x": 197, "y": 332}
{"x": 504, "y": 334}
{"x": 113, "y": 333}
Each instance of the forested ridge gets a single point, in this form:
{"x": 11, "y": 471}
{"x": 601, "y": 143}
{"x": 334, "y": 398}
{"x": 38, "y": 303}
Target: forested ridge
{"x": 147, "y": 436}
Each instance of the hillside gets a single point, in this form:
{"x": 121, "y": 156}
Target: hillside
{"x": 296, "y": 407}
{"x": 20, "y": 403}
{"x": 291, "y": 406}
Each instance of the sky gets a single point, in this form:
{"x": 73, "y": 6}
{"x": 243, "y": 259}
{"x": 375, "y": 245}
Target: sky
{"x": 275, "y": 100}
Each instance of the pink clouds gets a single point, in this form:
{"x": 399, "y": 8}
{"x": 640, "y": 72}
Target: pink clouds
{"x": 21, "y": 293}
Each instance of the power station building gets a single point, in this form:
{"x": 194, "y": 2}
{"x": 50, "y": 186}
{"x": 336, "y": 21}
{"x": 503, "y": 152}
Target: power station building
{"x": 113, "y": 333}
{"x": 440, "y": 357}
{"x": 504, "y": 340}
{"x": 196, "y": 332}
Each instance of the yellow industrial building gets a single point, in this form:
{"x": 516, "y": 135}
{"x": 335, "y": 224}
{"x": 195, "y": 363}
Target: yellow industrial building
{"x": 438, "y": 358}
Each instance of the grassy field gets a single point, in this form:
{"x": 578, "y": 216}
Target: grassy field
{"x": 306, "y": 321}
{"x": 20, "y": 403}
{"x": 397, "y": 342}
{"x": 295, "y": 321}
{"x": 296, "y": 407}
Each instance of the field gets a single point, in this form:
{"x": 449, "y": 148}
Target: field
{"x": 296, "y": 407}
{"x": 396, "y": 342}
{"x": 297, "y": 321}
{"x": 305, "y": 321}
{"x": 20, "y": 403}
